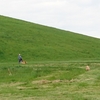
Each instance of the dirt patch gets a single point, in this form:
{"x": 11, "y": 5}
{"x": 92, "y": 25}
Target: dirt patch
{"x": 11, "y": 84}
{"x": 53, "y": 81}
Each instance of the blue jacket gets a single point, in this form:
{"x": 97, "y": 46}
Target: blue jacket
{"x": 19, "y": 57}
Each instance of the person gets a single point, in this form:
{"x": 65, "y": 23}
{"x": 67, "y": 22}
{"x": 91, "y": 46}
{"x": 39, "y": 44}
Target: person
{"x": 20, "y": 58}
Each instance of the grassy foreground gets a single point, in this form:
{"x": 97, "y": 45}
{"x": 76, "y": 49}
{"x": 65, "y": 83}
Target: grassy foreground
{"x": 50, "y": 81}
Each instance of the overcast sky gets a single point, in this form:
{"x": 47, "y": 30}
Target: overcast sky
{"x": 81, "y": 16}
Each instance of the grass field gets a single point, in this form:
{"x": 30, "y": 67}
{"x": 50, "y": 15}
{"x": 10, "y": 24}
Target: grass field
{"x": 55, "y": 80}
{"x": 41, "y": 43}
{"x": 56, "y": 61}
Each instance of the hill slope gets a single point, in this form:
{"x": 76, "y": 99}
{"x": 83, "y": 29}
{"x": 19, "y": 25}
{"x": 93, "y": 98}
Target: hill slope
{"x": 41, "y": 43}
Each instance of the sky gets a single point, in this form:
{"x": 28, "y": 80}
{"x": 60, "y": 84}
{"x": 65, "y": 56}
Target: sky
{"x": 80, "y": 16}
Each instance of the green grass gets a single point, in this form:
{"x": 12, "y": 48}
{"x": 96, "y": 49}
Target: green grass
{"x": 41, "y": 43}
{"x": 49, "y": 81}
{"x": 56, "y": 61}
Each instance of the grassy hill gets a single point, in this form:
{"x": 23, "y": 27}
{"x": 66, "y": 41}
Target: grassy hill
{"x": 57, "y": 61}
{"x": 41, "y": 43}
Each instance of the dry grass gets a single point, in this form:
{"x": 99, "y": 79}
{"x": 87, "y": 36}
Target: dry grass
{"x": 85, "y": 86}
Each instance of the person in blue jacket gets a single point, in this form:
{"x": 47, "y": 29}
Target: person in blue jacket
{"x": 20, "y": 58}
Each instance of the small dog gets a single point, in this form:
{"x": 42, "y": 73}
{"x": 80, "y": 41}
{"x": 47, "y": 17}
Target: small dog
{"x": 87, "y": 68}
{"x": 23, "y": 62}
